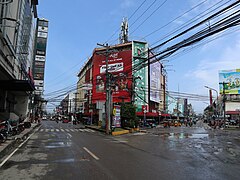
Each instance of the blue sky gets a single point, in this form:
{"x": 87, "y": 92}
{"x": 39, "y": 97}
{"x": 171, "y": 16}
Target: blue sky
{"x": 75, "y": 28}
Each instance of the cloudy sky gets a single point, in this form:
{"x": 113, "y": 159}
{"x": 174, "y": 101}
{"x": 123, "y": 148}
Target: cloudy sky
{"x": 75, "y": 28}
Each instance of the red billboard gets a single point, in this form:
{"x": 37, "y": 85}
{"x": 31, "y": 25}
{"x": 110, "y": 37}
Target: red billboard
{"x": 120, "y": 71}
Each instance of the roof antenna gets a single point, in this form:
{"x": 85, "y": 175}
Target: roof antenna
{"x": 123, "y": 36}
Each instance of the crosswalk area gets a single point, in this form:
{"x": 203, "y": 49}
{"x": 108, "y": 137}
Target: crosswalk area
{"x": 65, "y": 130}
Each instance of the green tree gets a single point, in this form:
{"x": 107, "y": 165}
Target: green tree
{"x": 128, "y": 115}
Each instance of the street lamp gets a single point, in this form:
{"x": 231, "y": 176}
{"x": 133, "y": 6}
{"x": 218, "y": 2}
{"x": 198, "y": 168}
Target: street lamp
{"x": 213, "y": 90}
{"x": 217, "y": 98}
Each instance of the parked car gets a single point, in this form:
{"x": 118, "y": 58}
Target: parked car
{"x": 150, "y": 123}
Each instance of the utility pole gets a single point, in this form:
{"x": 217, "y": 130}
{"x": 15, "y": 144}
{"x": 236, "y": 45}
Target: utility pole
{"x": 224, "y": 102}
{"x": 178, "y": 104}
{"x": 108, "y": 106}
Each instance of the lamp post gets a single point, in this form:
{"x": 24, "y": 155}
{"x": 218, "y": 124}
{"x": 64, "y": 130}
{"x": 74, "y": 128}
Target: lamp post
{"x": 212, "y": 90}
{"x": 217, "y": 96}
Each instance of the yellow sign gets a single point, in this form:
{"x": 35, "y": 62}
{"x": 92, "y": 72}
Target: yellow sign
{"x": 114, "y": 111}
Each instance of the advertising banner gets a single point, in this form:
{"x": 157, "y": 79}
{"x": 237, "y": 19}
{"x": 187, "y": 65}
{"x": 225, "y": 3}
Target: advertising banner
{"x": 116, "y": 115}
{"x": 155, "y": 81}
{"x": 229, "y": 80}
{"x": 120, "y": 72}
{"x": 139, "y": 58}
{"x": 40, "y": 58}
{"x": 40, "y": 64}
{"x": 42, "y": 29}
{"x": 39, "y": 76}
{"x": 42, "y": 34}
{"x": 41, "y": 44}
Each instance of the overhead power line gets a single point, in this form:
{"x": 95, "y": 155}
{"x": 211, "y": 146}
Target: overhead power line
{"x": 149, "y": 16}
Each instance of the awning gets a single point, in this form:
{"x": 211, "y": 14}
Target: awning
{"x": 233, "y": 112}
{"x": 165, "y": 115}
{"x": 17, "y": 85}
{"x": 151, "y": 114}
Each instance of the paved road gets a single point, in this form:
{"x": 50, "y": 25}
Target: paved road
{"x": 65, "y": 151}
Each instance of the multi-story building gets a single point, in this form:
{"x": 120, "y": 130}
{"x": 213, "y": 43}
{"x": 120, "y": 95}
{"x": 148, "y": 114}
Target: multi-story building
{"x": 68, "y": 104}
{"x": 16, "y": 53}
{"x": 133, "y": 79}
{"x": 229, "y": 81}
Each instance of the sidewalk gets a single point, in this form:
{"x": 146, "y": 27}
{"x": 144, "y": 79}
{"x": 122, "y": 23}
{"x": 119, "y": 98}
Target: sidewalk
{"x": 115, "y": 133}
{"x": 13, "y": 141}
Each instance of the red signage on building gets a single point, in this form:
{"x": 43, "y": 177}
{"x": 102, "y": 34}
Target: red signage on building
{"x": 120, "y": 73}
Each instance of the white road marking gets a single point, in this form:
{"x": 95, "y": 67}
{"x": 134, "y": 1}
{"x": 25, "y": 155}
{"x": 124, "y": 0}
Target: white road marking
{"x": 52, "y": 130}
{"x": 8, "y": 157}
{"x": 47, "y": 130}
{"x": 41, "y": 130}
{"x": 57, "y": 130}
{"x": 91, "y": 130}
{"x": 89, "y": 152}
{"x": 67, "y": 130}
{"x": 81, "y": 130}
{"x": 69, "y": 135}
{"x": 62, "y": 130}
{"x": 72, "y": 130}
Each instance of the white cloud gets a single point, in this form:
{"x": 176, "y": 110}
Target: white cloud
{"x": 206, "y": 72}
{"x": 207, "y": 69}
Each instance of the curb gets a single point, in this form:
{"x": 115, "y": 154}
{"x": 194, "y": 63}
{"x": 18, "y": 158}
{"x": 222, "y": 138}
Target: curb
{"x": 116, "y": 133}
{"x": 100, "y": 130}
{"x": 16, "y": 142}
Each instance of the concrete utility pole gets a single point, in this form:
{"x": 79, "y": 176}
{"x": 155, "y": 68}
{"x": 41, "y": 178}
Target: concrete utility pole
{"x": 224, "y": 100}
{"x": 224, "y": 103}
{"x": 108, "y": 89}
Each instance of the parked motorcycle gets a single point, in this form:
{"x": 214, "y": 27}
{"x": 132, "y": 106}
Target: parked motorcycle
{"x": 3, "y": 135}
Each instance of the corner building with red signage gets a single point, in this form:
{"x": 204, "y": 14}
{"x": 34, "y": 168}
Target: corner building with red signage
{"x": 124, "y": 84}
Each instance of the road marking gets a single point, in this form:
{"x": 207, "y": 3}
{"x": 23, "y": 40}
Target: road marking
{"x": 62, "y": 130}
{"x": 57, "y": 130}
{"x": 10, "y": 155}
{"x": 41, "y": 130}
{"x": 69, "y": 135}
{"x": 89, "y": 152}
{"x": 91, "y": 130}
{"x": 87, "y": 130}
{"x": 67, "y": 130}
{"x": 72, "y": 130}
{"x": 46, "y": 130}
{"x": 52, "y": 130}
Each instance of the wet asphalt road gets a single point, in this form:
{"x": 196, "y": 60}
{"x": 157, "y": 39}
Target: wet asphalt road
{"x": 65, "y": 151}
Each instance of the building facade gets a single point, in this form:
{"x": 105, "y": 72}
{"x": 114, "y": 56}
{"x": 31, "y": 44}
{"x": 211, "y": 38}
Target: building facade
{"x": 132, "y": 79}
{"x": 17, "y": 20}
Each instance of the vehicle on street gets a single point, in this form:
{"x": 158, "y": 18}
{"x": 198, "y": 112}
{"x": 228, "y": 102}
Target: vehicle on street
{"x": 150, "y": 123}
{"x": 65, "y": 120}
{"x": 177, "y": 123}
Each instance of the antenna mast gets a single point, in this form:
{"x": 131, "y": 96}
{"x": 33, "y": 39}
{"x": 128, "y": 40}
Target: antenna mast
{"x": 123, "y": 36}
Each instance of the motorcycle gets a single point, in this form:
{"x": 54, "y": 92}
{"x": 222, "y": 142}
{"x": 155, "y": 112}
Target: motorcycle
{"x": 3, "y": 135}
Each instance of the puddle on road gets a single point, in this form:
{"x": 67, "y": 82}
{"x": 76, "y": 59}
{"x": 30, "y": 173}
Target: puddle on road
{"x": 59, "y": 144}
{"x": 183, "y": 135}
